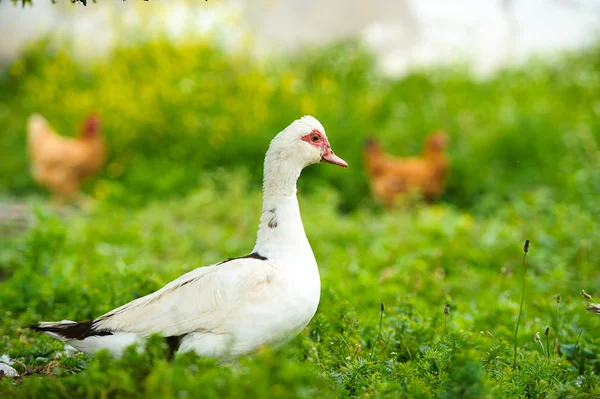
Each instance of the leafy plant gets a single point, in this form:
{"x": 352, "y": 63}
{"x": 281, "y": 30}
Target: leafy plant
{"x": 182, "y": 190}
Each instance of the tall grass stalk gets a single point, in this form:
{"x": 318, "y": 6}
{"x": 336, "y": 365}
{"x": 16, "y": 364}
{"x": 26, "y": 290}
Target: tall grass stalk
{"x": 578, "y": 337}
{"x": 548, "y": 343}
{"x": 378, "y": 335}
{"x": 525, "y": 250}
{"x": 539, "y": 341}
{"x": 446, "y": 312}
{"x": 558, "y": 300}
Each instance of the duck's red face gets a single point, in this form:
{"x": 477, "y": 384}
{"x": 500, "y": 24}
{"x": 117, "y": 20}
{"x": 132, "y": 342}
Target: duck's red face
{"x": 318, "y": 140}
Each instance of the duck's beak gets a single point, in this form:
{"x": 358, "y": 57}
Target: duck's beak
{"x": 330, "y": 157}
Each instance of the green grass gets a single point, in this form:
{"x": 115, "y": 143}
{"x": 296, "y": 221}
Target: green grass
{"x": 182, "y": 190}
{"x": 80, "y": 266}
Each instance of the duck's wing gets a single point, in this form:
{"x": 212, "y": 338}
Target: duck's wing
{"x": 197, "y": 301}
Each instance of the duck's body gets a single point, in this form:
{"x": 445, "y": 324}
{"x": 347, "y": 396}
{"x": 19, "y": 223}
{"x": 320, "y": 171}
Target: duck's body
{"x": 233, "y": 307}
{"x": 238, "y": 316}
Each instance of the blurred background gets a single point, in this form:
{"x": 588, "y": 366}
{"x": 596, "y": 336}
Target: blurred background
{"x": 191, "y": 87}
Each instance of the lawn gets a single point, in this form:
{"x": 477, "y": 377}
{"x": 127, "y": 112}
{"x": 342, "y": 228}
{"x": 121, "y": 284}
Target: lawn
{"x": 188, "y": 126}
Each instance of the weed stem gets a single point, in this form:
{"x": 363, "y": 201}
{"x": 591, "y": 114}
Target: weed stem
{"x": 577, "y": 342}
{"x": 378, "y": 335}
{"x": 558, "y": 299}
{"x": 548, "y": 343}
{"x": 446, "y": 312}
{"x": 525, "y": 250}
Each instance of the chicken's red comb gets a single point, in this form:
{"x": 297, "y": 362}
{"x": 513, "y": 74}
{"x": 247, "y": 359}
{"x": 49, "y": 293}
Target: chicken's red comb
{"x": 438, "y": 139}
{"x": 91, "y": 126}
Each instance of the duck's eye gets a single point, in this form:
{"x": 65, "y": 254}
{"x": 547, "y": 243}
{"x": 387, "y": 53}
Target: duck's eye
{"x": 314, "y": 138}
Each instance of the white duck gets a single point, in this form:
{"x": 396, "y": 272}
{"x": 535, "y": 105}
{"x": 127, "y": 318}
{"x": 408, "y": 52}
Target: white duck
{"x": 233, "y": 307}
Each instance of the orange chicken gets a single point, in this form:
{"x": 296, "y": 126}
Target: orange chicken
{"x": 391, "y": 178}
{"x": 61, "y": 164}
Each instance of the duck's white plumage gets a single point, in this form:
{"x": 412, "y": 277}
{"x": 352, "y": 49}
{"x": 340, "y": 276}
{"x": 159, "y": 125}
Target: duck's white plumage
{"x": 233, "y": 307}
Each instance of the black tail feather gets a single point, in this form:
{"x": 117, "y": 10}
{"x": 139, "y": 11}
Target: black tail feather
{"x": 79, "y": 330}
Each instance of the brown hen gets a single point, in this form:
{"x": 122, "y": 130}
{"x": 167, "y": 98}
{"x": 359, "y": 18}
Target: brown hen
{"x": 391, "y": 177}
{"x": 61, "y": 164}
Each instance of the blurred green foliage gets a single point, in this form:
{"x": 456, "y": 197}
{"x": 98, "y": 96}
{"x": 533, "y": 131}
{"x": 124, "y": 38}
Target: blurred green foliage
{"x": 188, "y": 126}
{"x": 173, "y": 112}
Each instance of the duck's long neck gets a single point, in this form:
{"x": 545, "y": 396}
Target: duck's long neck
{"x": 281, "y": 232}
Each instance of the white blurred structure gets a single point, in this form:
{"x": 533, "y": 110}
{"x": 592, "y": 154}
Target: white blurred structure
{"x": 404, "y": 34}
{"x": 6, "y": 369}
